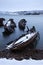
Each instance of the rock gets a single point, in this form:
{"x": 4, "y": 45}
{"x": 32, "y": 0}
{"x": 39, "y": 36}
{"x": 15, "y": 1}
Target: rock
{"x": 22, "y": 24}
{"x": 12, "y": 22}
{"x": 10, "y": 26}
{"x": 1, "y": 21}
{"x": 33, "y": 29}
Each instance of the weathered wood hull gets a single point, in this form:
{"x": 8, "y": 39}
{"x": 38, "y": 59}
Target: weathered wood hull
{"x": 22, "y": 45}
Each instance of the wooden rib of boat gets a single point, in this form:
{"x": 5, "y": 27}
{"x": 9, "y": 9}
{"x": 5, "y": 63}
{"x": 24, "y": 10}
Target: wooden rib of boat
{"x": 23, "y": 41}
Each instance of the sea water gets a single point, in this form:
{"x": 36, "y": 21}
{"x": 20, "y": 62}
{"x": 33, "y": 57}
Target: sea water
{"x": 32, "y": 20}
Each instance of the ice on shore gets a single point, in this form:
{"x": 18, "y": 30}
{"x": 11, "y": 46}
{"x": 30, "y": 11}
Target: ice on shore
{"x": 23, "y": 62}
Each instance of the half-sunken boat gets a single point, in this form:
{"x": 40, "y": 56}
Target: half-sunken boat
{"x": 23, "y": 41}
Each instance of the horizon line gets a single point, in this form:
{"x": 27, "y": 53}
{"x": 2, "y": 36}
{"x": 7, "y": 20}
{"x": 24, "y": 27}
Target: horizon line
{"x": 21, "y": 10}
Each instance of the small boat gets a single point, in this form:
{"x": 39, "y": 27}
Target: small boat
{"x": 22, "y": 42}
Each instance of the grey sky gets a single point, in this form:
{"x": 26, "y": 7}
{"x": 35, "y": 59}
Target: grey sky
{"x": 18, "y": 5}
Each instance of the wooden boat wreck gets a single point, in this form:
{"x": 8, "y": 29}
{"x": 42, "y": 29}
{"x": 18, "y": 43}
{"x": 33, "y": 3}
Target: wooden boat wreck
{"x": 22, "y": 41}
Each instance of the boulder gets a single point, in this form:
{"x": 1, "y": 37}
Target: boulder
{"x": 10, "y": 26}
{"x": 12, "y": 22}
{"x": 1, "y": 21}
{"x": 33, "y": 29}
{"x": 22, "y": 24}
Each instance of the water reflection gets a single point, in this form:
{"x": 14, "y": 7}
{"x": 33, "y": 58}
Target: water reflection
{"x": 26, "y": 53}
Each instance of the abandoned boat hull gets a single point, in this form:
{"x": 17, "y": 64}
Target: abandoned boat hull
{"x": 19, "y": 46}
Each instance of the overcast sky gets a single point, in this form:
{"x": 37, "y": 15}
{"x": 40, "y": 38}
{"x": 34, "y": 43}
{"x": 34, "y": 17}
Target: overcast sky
{"x": 21, "y": 5}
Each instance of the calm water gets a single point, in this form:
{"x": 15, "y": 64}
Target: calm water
{"x": 36, "y": 20}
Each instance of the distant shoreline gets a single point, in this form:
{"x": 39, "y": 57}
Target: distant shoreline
{"x": 36, "y": 12}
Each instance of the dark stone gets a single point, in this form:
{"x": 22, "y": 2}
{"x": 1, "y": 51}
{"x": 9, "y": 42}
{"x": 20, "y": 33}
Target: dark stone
{"x": 22, "y": 24}
{"x": 1, "y": 21}
{"x": 10, "y": 26}
{"x": 12, "y": 22}
{"x": 33, "y": 29}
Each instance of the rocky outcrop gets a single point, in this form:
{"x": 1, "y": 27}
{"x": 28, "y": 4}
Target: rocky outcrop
{"x": 33, "y": 29}
{"x": 1, "y": 21}
{"x": 22, "y": 24}
{"x": 12, "y": 22}
{"x": 10, "y": 26}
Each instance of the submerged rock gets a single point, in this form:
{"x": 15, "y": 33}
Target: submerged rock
{"x": 22, "y": 24}
{"x": 10, "y": 26}
{"x": 33, "y": 29}
{"x": 1, "y": 21}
